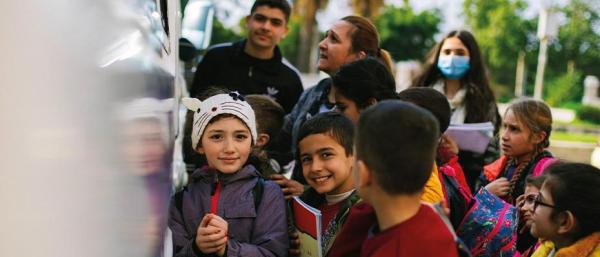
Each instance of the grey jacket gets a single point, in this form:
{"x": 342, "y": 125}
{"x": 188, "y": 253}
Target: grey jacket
{"x": 308, "y": 105}
{"x": 253, "y": 231}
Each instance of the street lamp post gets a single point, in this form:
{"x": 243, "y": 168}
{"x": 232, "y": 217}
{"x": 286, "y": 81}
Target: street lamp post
{"x": 547, "y": 28}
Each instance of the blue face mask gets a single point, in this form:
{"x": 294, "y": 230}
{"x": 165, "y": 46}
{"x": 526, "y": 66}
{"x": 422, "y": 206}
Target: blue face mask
{"x": 453, "y": 66}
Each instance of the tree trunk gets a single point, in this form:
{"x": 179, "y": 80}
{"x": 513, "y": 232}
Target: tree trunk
{"x": 570, "y": 67}
{"x": 307, "y": 31}
{"x": 306, "y": 41}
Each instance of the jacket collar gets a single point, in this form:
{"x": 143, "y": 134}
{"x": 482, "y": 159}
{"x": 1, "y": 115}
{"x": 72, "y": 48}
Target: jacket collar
{"x": 211, "y": 175}
{"x": 493, "y": 170}
{"x": 583, "y": 247}
{"x": 270, "y": 66}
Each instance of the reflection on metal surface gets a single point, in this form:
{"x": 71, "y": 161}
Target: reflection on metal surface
{"x": 124, "y": 49}
{"x": 90, "y": 91}
{"x": 197, "y": 23}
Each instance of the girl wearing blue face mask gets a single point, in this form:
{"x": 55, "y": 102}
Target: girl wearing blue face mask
{"x": 456, "y": 69}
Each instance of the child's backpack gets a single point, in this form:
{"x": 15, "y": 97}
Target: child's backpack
{"x": 542, "y": 164}
{"x": 490, "y": 226}
{"x": 458, "y": 198}
{"x": 461, "y": 247}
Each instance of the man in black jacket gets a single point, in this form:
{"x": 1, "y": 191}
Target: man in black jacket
{"x": 254, "y": 65}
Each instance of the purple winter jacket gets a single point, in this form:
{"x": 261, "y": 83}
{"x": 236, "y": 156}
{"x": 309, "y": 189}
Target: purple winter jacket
{"x": 252, "y": 231}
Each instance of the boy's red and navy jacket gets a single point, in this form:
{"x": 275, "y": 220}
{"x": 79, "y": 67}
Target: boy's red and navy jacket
{"x": 252, "y": 230}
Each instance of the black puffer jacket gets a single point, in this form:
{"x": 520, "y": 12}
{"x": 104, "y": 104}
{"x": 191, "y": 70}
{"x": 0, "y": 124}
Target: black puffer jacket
{"x": 228, "y": 66}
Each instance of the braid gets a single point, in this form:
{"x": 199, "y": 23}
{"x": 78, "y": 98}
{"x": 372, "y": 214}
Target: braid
{"x": 519, "y": 171}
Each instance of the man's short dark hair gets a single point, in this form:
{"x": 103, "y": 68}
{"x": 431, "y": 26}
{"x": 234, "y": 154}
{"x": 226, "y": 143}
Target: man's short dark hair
{"x": 269, "y": 114}
{"x": 333, "y": 124}
{"x": 397, "y": 141}
{"x": 431, "y": 100}
{"x": 282, "y": 5}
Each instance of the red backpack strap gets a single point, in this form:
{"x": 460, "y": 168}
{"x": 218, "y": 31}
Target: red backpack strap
{"x": 542, "y": 164}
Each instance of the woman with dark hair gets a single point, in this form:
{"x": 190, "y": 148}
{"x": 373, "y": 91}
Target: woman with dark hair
{"x": 456, "y": 69}
{"x": 566, "y": 212}
{"x": 360, "y": 84}
{"x": 365, "y": 82}
{"x": 349, "y": 39}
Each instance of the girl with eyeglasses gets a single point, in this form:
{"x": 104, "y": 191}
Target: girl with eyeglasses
{"x": 566, "y": 212}
{"x": 527, "y": 243}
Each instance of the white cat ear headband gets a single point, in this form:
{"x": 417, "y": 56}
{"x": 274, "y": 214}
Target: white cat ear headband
{"x": 204, "y": 111}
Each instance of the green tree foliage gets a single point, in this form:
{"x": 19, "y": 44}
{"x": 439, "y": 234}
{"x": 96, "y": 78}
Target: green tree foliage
{"x": 589, "y": 114}
{"x": 408, "y": 35}
{"x": 289, "y": 45}
{"x": 563, "y": 89}
{"x": 220, "y": 34}
{"x": 501, "y": 33}
{"x": 578, "y": 44}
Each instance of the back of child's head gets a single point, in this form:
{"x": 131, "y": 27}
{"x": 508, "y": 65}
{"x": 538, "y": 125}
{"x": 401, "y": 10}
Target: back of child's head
{"x": 397, "y": 141}
{"x": 430, "y": 99}
{"x": 365, "y": 79}
{"x": 535, "y": 115}
{"x": 269, "y": 114}
{"x": 333, "y": 124}
{"x": 218, "y": 106}
{"x": 575, "y": 187}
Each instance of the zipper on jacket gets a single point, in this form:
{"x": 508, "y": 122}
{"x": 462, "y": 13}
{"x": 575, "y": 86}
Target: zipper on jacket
{"x": 214, "y": 195}
{"x": 250, "y": 71}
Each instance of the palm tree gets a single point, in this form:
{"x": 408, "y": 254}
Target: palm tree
{"x": 307, "y": 11}
{"x": 367, "y": 8}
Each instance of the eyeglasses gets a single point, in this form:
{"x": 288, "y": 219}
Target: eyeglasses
{"x": 538, "y": 201}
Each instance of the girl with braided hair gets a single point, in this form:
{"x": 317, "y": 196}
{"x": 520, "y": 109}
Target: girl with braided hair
{"x": 526, "y": 131}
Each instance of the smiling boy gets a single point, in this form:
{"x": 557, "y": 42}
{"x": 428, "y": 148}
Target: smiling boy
{"x": 254, "y": 65}
{"x": 326, "y": 155}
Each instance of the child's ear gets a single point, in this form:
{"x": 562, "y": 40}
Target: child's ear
{"x": 365, "y": 175}
{"x": 539, "y": 137}
{"x": 567, "y": 223}
{"x": 362, "y": 54}
{"x": 262, "y": 139}
{"x": 200, "y": 149}
{"x": 372, "y": 101}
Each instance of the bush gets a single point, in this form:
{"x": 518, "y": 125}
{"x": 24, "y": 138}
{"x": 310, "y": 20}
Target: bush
{"x": 221, "y": 34}
{"x": 570, "y": 105}
{"x": 589, "y": 113}
{"x": 562, "y": 89}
